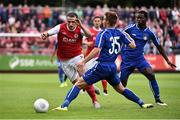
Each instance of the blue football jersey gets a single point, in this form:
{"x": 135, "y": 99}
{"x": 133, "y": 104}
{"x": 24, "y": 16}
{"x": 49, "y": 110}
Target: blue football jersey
{"x": 110, "y": 41}
{"x": 140, "y": 37}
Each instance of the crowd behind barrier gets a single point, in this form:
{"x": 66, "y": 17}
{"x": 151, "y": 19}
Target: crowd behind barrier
{"x": 165, "y": 22}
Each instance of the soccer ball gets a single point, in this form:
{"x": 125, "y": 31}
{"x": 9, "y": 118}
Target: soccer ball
{"x": 41, "y": 105}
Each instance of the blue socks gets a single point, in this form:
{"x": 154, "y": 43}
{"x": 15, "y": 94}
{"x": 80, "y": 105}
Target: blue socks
{"x": 131, "y": 96}
{"x": 71, "y": 95}
{"x": 155, "y": 89}
{"x": 61, "y": 74}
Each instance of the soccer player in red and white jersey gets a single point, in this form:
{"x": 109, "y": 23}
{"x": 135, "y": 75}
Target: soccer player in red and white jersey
{"x": 69, "y": 35}
{"x": 90, "y": 42}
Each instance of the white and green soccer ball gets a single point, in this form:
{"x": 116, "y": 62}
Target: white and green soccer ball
{"x": 41, "y": 105}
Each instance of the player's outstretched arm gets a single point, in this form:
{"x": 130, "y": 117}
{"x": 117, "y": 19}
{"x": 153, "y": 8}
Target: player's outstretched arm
{"x": 52, "y": 31}
{"x": 80, "y": 65}
{"x": 44, "y": 35}
{"x": 162, "y": 52}
{"x": 92, "y": 54}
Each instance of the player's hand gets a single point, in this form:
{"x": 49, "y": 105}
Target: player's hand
{"x": 44, "y": 36}
{"x": 171, "y": 64}
{"x": 78, "y": 22}
{"x": 80, "y": 67}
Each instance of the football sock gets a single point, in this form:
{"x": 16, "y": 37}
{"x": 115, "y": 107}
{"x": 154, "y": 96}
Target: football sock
{"x": 65, "y": 77}
{"x": 90, "y": 90}
{"x": 71, "y": 95}
{"x": 131, "y": 96}
{"x": 104, "y": 84}
{"x": 155, "y": 89}
{"x": 61, "y": 75}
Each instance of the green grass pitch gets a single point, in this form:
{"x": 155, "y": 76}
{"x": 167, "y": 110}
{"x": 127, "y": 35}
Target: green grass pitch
{"x": 19, "y": 91}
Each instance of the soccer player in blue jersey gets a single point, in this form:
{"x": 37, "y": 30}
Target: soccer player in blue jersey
{"x": 108, "y": 44}
{"x": 134, "y": 58}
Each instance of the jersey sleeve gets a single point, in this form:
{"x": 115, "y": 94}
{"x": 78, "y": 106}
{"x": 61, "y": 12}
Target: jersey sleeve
{"x": 54, "y": 30}
{"x": 126, "y": 38}
{"x": 100, "y": 38}
{"x": 155, "y": 39}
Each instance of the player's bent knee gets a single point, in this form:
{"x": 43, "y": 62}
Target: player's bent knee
{"x": 119, "y": 88}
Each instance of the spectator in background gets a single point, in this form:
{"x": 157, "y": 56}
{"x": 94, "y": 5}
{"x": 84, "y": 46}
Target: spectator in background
{"x": 175, "y": 14}
{"x": 177, "y": 46}
{"x": 26, "y": 12}
{"x": 88, "y": 11}
{"x": 168, "y": 45}
{"x": 46, "y": 14}
{"x": 152, "y": 13}
{"x": 98, "y": 11}
{"x": 79, "y": 12}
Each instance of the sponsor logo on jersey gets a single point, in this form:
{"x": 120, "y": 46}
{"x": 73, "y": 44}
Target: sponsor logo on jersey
{"x": 76, "y": 35}
{"x": 65, "y": 39}
{"x": 145, "y": 37}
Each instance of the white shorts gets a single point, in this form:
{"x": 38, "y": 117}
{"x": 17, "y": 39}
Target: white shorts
{"x": 69, "y": 67}
{"x": 91, "y": 63}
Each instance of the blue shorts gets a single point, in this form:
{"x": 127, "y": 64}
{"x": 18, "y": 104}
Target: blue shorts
{"x": 102, "y": 70}
{"x": 128, "y": 66}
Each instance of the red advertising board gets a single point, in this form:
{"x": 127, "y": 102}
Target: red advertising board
{"x": 158, "y": 63}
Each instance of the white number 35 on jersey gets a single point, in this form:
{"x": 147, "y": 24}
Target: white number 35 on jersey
{"x": 115, "y": 43}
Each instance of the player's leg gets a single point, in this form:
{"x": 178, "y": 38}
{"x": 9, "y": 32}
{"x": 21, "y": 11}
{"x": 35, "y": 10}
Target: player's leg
{"x": 125, "y": 71}
{"x": 117, "y": 85}
{"x": 88, "y": 79}
{"x": 90, "y": 64}
{"x": 72, "y": 73}
{"x": 65, "y": 78}
{"x": 61, "y": 76}
{"x": 72, "y": 94}
{"x": 148, "y": 72}
{"x": 145, "y": 68}
{"x": 91, "y": 91}
{"x": 97, "y": 91}
{"x": 104, "y": 84}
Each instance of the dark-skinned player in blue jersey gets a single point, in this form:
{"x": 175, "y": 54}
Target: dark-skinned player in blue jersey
{"x": 134, "y": 58}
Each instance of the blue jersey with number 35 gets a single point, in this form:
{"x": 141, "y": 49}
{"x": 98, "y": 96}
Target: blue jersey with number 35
{"x": 110, "y": 41}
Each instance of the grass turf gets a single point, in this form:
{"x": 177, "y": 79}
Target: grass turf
{"x": 19, "y": 91}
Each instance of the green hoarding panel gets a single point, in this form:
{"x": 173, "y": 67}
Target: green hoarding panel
{"x": 26, "y": 62}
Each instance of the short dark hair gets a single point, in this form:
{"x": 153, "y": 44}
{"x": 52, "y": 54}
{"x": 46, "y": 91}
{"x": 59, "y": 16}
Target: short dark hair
{"x": 72, "y": 14}
{"x": 111, "y": 17}
{"x": 144, "y": 13}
